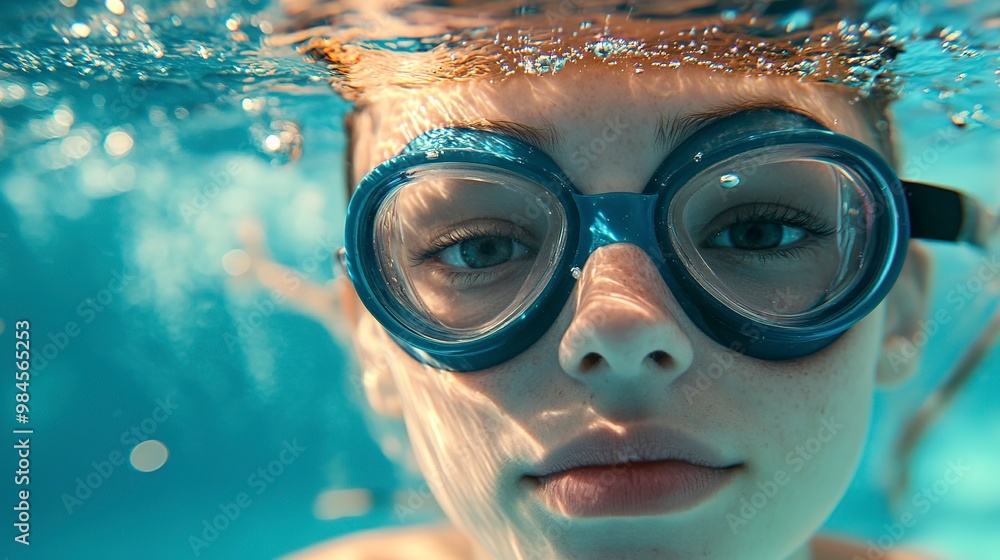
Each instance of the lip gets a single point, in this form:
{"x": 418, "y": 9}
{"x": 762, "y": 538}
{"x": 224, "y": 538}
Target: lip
{"x": 641, "y": 471}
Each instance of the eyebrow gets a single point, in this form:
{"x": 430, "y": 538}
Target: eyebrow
{"x": 670, "y": 130}
{"x": 545, "y": 137}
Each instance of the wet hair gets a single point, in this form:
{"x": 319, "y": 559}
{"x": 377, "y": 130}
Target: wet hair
{"x": 390, "y": 48}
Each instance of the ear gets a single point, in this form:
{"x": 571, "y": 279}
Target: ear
{"x": 362, "y": 333}
{"x": 906, "y": 309}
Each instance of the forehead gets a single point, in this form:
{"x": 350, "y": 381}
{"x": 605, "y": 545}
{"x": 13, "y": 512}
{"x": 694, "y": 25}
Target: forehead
{"x": 573, "y": 106}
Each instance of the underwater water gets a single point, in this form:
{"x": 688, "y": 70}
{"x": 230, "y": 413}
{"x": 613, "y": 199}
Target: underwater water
{"x": 180, "y": 410}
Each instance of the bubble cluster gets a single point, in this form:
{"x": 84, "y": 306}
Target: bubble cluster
{"x": 813, "y": 46}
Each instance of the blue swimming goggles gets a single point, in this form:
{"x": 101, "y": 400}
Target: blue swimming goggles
{"x": 774, "y": 234}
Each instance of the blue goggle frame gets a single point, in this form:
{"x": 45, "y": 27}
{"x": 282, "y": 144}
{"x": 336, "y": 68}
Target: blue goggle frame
{"x": 594, "y": 221}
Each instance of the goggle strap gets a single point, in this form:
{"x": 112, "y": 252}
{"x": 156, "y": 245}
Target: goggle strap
{"x": 942, "y": 214}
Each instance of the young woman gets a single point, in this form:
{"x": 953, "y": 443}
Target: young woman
{"x": 631, "y": 314}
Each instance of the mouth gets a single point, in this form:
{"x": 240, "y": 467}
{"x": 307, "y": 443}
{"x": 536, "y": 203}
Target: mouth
{"x": 643, "y": 471}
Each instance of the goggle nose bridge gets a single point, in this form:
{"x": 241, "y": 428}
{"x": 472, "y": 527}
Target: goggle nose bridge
{"x": 618, "y": 217}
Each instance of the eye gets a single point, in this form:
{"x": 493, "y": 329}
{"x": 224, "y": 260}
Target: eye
{"x": 767, "y": 229}
{"x": 758, "y": 235}
{"x": 482, "y": 251}
{"x": 475, "y": 246}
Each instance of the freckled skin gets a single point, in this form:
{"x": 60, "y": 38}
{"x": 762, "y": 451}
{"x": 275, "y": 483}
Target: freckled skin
{"x": 475, "y": 435}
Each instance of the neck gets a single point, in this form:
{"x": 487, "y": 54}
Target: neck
{"x": 802, "y": 553}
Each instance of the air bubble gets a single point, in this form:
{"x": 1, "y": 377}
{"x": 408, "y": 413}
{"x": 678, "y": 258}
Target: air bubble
{"x": 149, "y": 455}
{"x": 116, "y": 7}
{"x": 16, "y": 92}
{"x": 729, "y": 180}
{"x": 118, "y": 143}
{"x": 280, "y": 141}
{"x": 698, "y": 156}
{"x": 80, "y": 30}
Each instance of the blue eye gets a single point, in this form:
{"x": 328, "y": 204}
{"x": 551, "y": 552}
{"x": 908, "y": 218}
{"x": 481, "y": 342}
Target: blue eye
{"x": 475, "y": 247}
{"x": 768, "y": 230}
{"x": 758, "y": 235}
{"x": 482, "y": 251}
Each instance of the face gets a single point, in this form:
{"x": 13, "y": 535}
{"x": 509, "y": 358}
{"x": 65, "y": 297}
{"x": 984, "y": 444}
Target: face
{"x": 730, "y": 456}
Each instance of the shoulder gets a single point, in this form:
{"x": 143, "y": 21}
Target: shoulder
{"x": 832, "y": 548}
{"x": 444, "y": 542}
{"x": 441, "y": 542}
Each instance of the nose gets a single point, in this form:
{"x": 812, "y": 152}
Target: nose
{"x": 622, "y": 329}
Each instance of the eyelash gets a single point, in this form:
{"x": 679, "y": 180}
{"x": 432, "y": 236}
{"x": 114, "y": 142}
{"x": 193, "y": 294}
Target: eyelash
{"x": 777, "y": 212}
{"x": 453, "y": 237}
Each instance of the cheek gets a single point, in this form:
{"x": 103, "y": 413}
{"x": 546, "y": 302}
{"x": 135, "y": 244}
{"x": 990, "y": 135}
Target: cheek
{"x": 806, "y": 426}
{"x": 839, "y": 379}
{"x": 794, "y": 401}
{"x": 465, "y": 443}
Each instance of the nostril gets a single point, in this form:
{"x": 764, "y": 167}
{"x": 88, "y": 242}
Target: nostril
{"x": 590, "y": 361}
{"x": 661, "y": 358}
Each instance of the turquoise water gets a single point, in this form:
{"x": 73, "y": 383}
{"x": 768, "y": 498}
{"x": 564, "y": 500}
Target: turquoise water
{"x": 135, "y": 146}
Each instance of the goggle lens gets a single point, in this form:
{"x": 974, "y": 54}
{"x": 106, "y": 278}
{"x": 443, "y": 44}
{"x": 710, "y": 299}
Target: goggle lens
{"x": 775, "y": 236}
{"x": 467, "y": 248}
